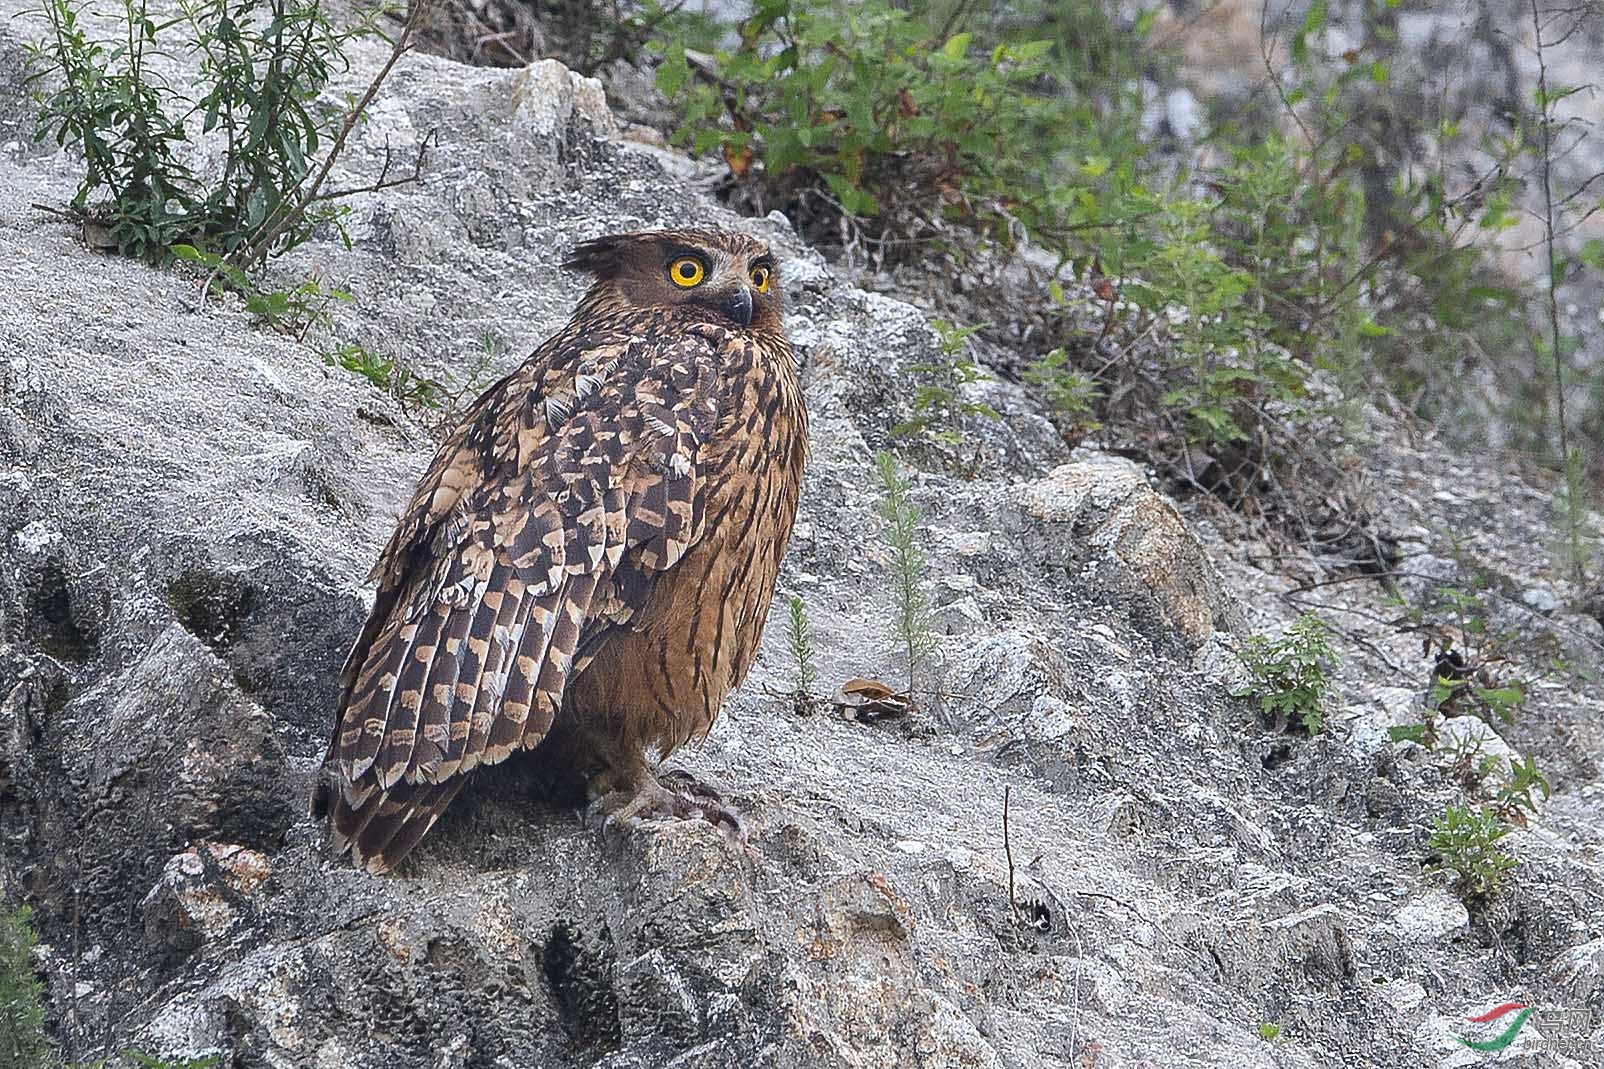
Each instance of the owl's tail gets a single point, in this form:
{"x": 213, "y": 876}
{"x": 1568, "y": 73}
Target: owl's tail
{"x": 380, "y": 828}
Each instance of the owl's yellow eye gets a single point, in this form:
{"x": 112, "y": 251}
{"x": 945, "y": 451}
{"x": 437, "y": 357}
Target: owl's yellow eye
{"x": 761, "y": 277}
{"x": 687, "y": 271}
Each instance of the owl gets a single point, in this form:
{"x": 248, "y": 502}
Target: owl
{"x": 585, "y": 569}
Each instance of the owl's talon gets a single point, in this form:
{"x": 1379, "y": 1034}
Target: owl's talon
{"x": 675, "y": 795}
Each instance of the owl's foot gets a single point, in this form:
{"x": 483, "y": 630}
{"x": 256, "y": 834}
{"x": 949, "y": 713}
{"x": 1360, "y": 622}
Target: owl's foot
{"x": 675, "y": 795}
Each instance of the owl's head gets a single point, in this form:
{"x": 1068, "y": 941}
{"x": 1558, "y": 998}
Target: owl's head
{"x": 725, "y": 273}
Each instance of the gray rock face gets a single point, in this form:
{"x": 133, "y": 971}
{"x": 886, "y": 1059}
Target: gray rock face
{"x": 188, "y": 507}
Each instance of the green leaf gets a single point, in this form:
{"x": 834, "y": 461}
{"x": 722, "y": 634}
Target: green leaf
{"x": 674, "y": 73}
{"x": 1592, "y": 253}
{"x": 194, "y": 255}
{"x": 1315, "y": 17}
{"x": 957, "y": 46}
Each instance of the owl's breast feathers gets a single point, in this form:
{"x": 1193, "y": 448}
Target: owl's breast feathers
{"x": 551, "y": 514}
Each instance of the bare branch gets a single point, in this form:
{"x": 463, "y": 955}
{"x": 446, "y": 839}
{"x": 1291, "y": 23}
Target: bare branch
{"x": 292, "y": 212}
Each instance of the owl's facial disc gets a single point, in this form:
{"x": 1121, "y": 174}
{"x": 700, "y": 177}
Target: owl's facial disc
{"x": 725, "y": 283}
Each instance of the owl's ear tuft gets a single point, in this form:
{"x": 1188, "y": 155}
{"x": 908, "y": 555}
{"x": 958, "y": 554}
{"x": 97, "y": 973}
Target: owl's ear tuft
{"x": 603, "y": 256}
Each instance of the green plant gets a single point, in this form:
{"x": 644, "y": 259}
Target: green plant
{"x": 1467, "y": 759}
{"x": 1574, "y": 505}
{"x": 1557, "y": 348}
{"x": 289, "y": 311}
{"x": 874, "y": 117}
{"x": 387, "y": 374}
{"x": 1464, "y": 842}
{"x": 22, "y": 1017}
{"x": 910, "y": 621}
{"x": 1514, "y": 799}
{"x": 1471, "y": 673}
{"x": 1292, "y": 674}
{"x": 1216, "y": 342}
{"x": 807, "y": 676}
{"x": 1070, "y": 392}
{"x": 145, "y": 1061}
{"x": 937, "y": 401}
{"x": 1269, "y": 1031}
{"x": 261, "y": 65}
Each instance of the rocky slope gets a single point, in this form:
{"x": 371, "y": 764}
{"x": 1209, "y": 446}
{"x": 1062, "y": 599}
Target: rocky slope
{"x": 189, "y": 504}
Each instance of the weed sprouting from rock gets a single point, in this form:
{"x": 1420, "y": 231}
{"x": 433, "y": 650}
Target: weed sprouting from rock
{"x": 807, "y": 676}
{"x": 1292, "y": 674}
{"x": 938, "y": 407}
{"x": 1464, "y": 842}
{"x": 910, "y": 621}
{"x": 387, "y": 374}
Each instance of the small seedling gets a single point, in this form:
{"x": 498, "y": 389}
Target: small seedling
{"x": 388, "y": 375}
{"x": 292, "y": 311}
{"x": 1470, "y": 765}
{"x": 1292, "y": 674}
{"x": 910, "y": 622}
{"x": 1072, "y": 393}
{"x": 1269, "y": 1031}
{"x": 1514, "y": 799}
{"x": 937, "y": 403}
{"x": 1465, "y": 843}
{"x": 802, "y": 657}
{"x": 1574, "y": 512}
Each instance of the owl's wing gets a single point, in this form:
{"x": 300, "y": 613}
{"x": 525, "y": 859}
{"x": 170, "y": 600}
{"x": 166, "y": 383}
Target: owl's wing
{"x": 590, "y": 451}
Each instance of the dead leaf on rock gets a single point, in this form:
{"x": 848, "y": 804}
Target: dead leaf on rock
{"x": 870, "y": 699}
{"x": 738, "y": 159}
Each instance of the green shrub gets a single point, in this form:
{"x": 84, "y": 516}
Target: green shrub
{"x": 1292, "y": 674}
{"x": 261, "y": 65}
{"x": 1325, "y": 253}
{"x": 22, "y": 1017}
{"x": 1465, "y": 843}
{"x": 868, "y": 114}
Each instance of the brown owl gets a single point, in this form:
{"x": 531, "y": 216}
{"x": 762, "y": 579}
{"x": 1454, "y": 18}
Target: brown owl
{"x": 586, "y": 567}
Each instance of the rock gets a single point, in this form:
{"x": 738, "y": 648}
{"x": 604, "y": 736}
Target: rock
{"x": 548, "y": 98}
{"x": 1136, "y": 543}
{"x": 1542, "y": 599}
{"x": 199, "y": 893}
{"x": 1433, "y": 916}
{"x": 1580, "y": 973}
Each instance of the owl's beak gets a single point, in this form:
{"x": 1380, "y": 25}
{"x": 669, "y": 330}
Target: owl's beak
{"x": 739, "y": 306}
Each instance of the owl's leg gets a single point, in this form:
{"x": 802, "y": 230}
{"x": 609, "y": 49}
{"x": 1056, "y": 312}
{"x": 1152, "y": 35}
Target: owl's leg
{"x": 640, "y": 795}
